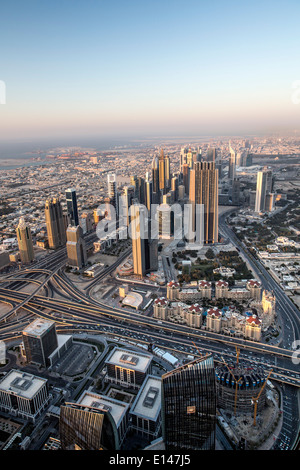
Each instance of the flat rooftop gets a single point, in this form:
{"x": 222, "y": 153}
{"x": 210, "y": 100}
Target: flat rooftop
{"x": 22, "y": 384}
{"x": 38, "y": 327}
{"x": 116, "y": 408}
{"x": 148, "y": 401}
{"x": 129, "y": 359}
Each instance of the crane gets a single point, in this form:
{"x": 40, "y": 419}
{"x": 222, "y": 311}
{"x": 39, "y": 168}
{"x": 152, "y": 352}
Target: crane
{"x": 255, "y": 399}
{"x": 237, "y": 355}
{"x": 199, "y": 352}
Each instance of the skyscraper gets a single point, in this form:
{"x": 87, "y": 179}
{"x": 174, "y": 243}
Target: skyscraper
{"x": 141, "y": 190}
{"x": 84, "y": 427}
{"x": 204, "y": 190}
{"x": 162, "y": 175}
{"x": 183, "y": 157}
{"x": 235, "y": 195}
{"x": 76, "y": 247}
{"x": 232, "y": 163}
{"x": 56, "y": 228}
{"x": 264, "y": 186}
{"x": 174, "y": 187}
{"x": 186, "y": 177}
{"x": 167, "y": 173}
{"x": 39, "y": 340}
{"x": 144, "y": 248}
{"x": 211, "y": 155}
{"x": 189, "y": 406}
{"x": 155, "y": 179}
{"x": 148, "y": 192}
{"x": 25, "y": 242}
{"x": 72, "y": 207}
{"x": 112, "y": 191}
{"x": 125, "y": 201}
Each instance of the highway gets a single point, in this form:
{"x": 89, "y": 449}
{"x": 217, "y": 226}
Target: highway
{"x": 76, "y": 311}
{"x": 285, "y": 308}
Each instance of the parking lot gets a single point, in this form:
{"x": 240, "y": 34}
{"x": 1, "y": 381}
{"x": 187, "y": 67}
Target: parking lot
{"x": 75, "y": 360}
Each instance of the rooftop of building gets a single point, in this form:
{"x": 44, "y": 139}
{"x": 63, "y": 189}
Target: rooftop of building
{"x": 129, "y": 359}
{"x": 38, "y": 327}
{"x": 116, "y": 408}
{"x": 148, "y": 401}
{"x": 214, "y": 311}
{"x": 22, "y": 384}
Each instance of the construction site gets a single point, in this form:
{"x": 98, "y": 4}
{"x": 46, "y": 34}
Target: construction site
{"x": 248, "y": 404}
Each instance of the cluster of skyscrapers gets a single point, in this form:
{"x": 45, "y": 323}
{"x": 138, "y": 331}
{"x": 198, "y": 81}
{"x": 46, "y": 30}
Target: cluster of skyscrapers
{"x": 194, "y": 186}
{"x": 63, "y": 229}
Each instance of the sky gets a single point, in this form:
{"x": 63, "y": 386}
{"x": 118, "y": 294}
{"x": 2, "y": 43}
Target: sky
{"x": 120, "y": 68}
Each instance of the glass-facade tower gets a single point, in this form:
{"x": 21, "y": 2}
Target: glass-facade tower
{"x": 72, "y": 206}
{"x": 189, "y": 406}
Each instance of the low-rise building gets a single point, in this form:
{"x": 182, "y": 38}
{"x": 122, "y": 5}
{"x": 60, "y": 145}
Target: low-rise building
{"x": 127, "y": 368}
{"x": 23, "y": 394}
{"x": 146, "y": 410}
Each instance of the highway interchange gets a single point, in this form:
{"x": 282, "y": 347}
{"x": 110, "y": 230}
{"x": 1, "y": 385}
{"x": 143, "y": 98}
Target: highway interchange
{"x": 56, "y": 297}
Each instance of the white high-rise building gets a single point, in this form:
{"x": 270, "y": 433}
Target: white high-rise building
{"x": 263, "y": 188}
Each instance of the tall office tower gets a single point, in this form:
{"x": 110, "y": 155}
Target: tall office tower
{"x": 148, "y": 192}
{"x": 84, "y": 427}
{"x": 134, "y": 184}
{"x": 155, "y": 180}
{"x": 211, "y": 155}
{"x": 165, "y": 221}
{"x": 76, "y": 247}
{"x": 197, "y": 155}
{"x": 186, "y": 177}
{"x": 141, "y": 190}
{"x": 72, "y": 207}
{"x": 238, "y": 158}
{"x": 138, "y": 228}
{"x": 144, "y": 248}
{"x": 235, "y": 196}
{"x": 126, "y": 199}
{"x": 264, "y": 186}
{"x": 189, "y": 406}
{"x": 167, "y": 173}
{"x": 252, "y": 199}
{"x": 25, "y": 242}
{"x": 112, "y": 191}
{"x": 219, "y": 167}
{"x": 204, "y": 190}
{"x": 247, "y": 159}
{"x": 183, "y": 157}
{"x": 56, "y": 229}
{"x": 162, "y": 177}
{"x": 39, "y": 340}
{"x": 174, "y": 187}
{"x": 232, "y": 164}
{"x": 270, "y": 202}
{"x": 189, "y": 158}
{"x": 86, "y": 222}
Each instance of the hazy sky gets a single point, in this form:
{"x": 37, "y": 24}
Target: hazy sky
{"x": 148, "y": 67}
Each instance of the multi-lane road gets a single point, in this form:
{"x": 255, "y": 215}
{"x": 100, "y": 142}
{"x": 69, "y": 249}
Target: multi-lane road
{"x": 56, "y": 297}
{"x": 286, "y": 310}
